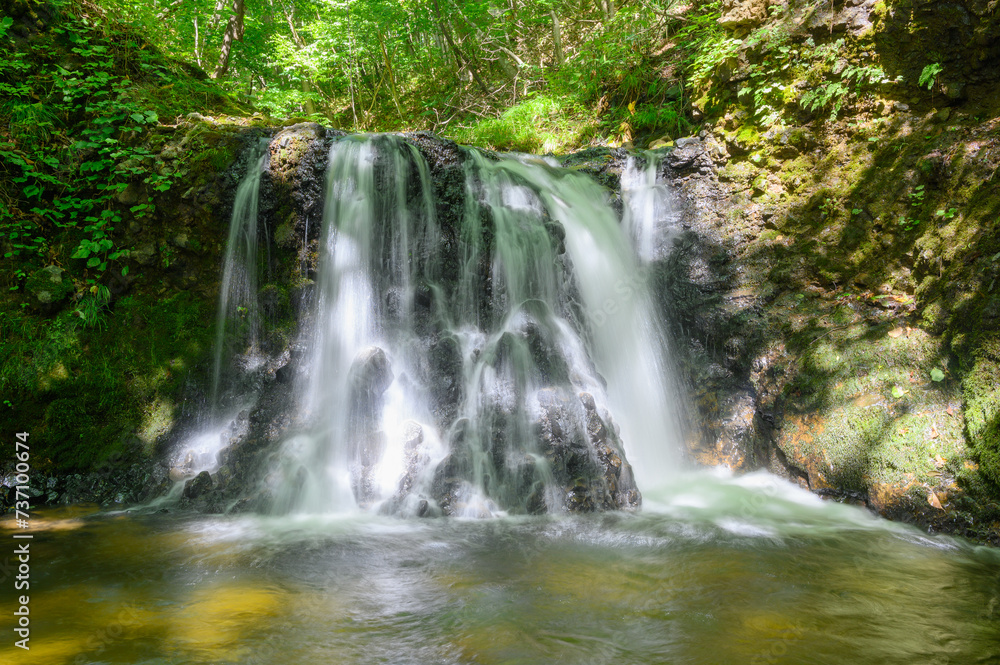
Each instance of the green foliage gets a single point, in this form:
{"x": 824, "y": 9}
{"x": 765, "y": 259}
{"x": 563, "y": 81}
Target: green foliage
{"x": 526, "y": 127}
{"x": 75, "y": 124}
{"x": 84, "y": 376}
{"x": 853, "y": 81}
{"x": 707, "y": 44}
{"x": 91, "y": 308}
{"x": 929, "y": 75}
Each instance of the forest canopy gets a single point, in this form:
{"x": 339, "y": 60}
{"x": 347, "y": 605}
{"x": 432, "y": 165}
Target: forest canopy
{"x": 434, "y": 64}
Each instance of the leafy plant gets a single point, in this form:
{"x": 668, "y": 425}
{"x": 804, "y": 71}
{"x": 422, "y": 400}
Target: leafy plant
{"x": 92, "y": 305}
{"x": 929, "y": 74}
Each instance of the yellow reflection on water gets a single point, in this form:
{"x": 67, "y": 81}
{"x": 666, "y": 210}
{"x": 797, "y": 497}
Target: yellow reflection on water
{"x": 216, "y": 618}
{"x": 44, "y": 652}
{"x": 65, "y": 518}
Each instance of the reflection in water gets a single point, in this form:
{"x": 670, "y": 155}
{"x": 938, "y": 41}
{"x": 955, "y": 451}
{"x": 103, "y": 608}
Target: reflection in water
{"x": 716, "y": 576}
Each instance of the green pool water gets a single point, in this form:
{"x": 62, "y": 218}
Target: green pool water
{"x": 712, "y": 570}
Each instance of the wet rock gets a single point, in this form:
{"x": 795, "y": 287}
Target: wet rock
{"x": 366, "y": 454}
{"x": 416, "y": 461}
{"x": 371, "y": 373}
{"x": 445, "y": 372}
{"x": 583, "y": 454}
{"x": 413, "y": 435}
{"x": 449, "y": 487}
{"x": 177, "y": 474}
{"x": 198, "y": 486}
{"x": 284, "y": 374}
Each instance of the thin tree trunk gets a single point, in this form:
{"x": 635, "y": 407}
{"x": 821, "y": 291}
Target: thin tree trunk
{"x": 463, "y": 61}
{"x": 197, "y": 44}
{"x": 556, "y": 37}
{"x": 392, "y": 76}
{"x": 234, "y": 31}
{"x": 216, "y": 14}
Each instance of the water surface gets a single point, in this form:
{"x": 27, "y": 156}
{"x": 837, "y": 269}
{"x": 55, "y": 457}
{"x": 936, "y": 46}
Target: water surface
{"x": 714, "y": 570}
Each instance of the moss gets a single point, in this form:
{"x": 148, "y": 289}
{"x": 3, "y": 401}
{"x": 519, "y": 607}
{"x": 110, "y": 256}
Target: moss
{"x": 87, "y": 389}
{"x": 981, "y": 393}
{"x": 748, "y": 134}
{"x": 863, "y": 410}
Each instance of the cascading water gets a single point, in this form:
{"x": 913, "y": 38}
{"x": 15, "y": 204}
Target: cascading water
{"x": 650, "y": 214}
{"x": 238, "y": 324}
{"x": 483, "y": 387}
{"x": 458, "y": 363}
{"x": 362, "y": 395}
{"x": 238, "y": 317}
{"x": 619, "y": 321}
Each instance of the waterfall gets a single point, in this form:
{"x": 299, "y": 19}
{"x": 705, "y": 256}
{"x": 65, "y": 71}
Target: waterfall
{"x": 238, "y": 321}
{"x": 523, "y": 374}
{"x": 625, "y": 338}
{"x": 650, "y": 214}
{"x": 364, "y": 396}
{"x": 238, "y": 316}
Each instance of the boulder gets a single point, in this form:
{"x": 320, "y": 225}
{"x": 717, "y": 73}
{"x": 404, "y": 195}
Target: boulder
{"x": 48, "y": 287}
{"x": 198, "y": 485}
{"x": 371, "y": 373}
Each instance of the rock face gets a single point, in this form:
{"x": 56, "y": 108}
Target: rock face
{"x": 198, "y": 486}
{"x": 743, "y": 14}
{"x": 584, "y": 454}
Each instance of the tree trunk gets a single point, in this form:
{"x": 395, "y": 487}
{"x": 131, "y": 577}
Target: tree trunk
{"x": 234, "y": 31}
{"x": 556, "y": 37}
{"x": 392, "y": 75}
{"x": 216, "y": 14}
{"x": 462, "y": 60}
{"x": 197, "y": 44}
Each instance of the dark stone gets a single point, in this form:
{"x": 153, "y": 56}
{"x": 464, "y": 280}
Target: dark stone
{"x": 284, "y": 374}
{"x": 198, "y": 486}
{"x": 371, "y": 374}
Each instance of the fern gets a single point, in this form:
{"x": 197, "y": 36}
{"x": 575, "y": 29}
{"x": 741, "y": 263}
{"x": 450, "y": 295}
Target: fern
{"x": 929, "y": 75}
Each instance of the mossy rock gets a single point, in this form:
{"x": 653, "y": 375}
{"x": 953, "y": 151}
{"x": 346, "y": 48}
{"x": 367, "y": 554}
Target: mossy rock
{"x": 48, "y": 287}
{"x": 981, "y": 392}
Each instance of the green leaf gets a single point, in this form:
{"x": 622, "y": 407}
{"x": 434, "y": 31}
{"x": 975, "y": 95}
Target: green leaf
{"x": 93, "y": 261}
{"x": 898, "y": 392}
{"x": 937, "y": 375}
